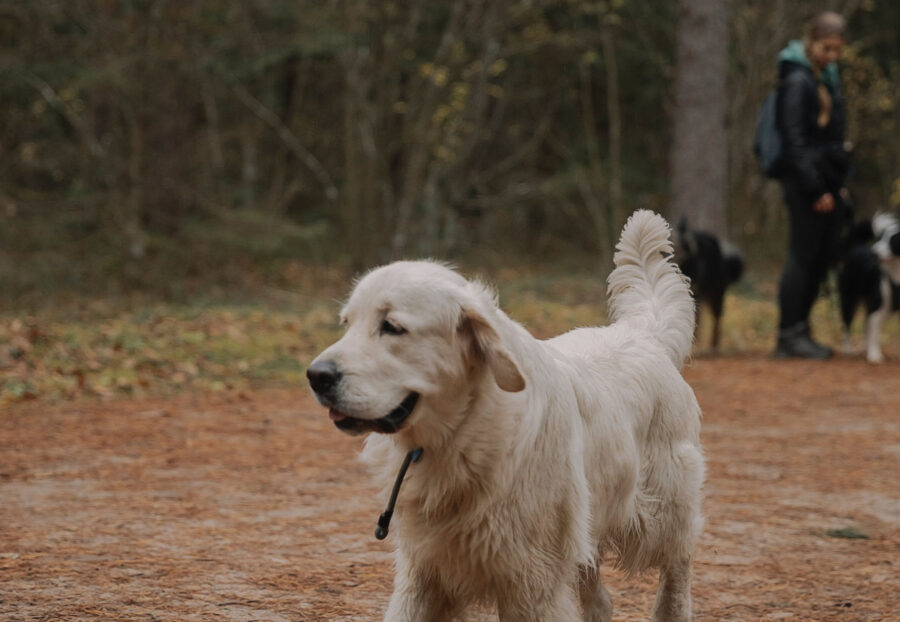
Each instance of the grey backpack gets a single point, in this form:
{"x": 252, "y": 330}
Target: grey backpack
{"x": 767, "y": 145}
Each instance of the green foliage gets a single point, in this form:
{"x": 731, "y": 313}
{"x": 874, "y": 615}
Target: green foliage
{"x": 159, "y": 350}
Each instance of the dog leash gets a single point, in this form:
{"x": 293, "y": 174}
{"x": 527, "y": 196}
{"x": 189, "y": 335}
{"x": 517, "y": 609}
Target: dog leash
{"x": 381, "y": 531}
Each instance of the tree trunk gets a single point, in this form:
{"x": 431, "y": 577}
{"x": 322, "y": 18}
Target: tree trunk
{"x": 351, "y": 216}
{"x": 132, "y": 206}
{"x": 591, "y": 180}
{"x": 698, "y": 160}
{"x": 614, "y": 119}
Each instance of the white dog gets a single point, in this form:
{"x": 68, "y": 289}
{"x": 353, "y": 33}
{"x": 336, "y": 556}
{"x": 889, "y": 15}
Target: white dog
{"x": 539, "y": 456}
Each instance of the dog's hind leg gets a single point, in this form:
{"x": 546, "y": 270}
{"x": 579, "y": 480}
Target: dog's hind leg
{"x": 595, "y": 600}
{"x": 848, "y": 342}
{"x": 673, "y": 597}
{"x": 715, "y": 335}
{"x": 717, "y": 303}
{"x": 849, "y": 299}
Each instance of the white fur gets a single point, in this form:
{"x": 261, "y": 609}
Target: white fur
{"x": 539, "y": 456}
{"x": 883, "y": 226}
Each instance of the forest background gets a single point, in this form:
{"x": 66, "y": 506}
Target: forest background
{"x": 160, "y": 151}
{"x": 146, "y": 142}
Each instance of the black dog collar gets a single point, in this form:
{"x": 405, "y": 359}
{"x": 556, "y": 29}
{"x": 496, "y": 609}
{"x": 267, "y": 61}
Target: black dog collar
{"x": 381, "y": 531}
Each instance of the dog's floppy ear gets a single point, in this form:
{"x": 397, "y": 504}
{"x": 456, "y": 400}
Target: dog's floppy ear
{"x": 487, "y": 344}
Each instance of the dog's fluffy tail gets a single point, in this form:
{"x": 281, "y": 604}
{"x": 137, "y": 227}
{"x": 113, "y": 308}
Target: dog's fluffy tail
{"x": 647, "y": 290}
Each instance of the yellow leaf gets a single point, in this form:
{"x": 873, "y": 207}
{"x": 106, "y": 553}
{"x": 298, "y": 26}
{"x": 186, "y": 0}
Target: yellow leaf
{"x": 497, "y": 67}
{"x": 440, "y": 76}
{"x": 895, "y": 195}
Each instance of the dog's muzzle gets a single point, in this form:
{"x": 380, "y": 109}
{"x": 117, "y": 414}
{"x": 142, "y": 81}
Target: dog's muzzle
{"x": 390, "y": 423}
{"x": 324, "y": 378}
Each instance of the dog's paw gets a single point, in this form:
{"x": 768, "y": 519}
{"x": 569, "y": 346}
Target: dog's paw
{"x": 876, "y": 358}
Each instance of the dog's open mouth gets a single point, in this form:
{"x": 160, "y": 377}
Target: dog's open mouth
{"x": 388, "y": 424}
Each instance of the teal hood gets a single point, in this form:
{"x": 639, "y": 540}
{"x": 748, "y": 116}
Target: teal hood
{"x": 795, "y": 52}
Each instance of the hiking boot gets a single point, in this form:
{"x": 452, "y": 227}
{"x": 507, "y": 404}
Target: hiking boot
{"x": 796, "y": 342}
{"x": 828, "y": 352}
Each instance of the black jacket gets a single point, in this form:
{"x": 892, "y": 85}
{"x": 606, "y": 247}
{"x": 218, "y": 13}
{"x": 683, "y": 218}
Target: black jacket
{"x": 815, "y": 158}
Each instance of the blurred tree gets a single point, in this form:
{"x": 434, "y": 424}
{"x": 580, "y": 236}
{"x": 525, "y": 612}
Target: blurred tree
{"x": 699, "y": 150}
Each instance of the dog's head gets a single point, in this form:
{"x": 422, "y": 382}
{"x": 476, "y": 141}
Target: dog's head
{"x": 688, "y": 254}
{"x": 684, "y": 243}
{"x": 418, "y": 336}
{"x": 887, "y": 243}
{"x": 886, "y": 232}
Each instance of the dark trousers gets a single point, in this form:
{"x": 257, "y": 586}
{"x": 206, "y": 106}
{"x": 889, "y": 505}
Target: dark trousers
{"x": 812, "y": 249}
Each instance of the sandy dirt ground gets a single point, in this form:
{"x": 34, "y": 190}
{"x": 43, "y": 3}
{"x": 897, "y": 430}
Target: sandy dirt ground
{"x": 253, "y": 507}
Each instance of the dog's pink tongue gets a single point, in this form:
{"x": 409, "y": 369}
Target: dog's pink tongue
{"x": 335, "y": 415}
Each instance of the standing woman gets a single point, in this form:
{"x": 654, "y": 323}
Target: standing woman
{"x": 811, "y": 119}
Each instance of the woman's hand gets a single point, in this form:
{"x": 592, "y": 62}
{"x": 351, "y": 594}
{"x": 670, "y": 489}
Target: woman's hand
{"x": 824, "y": 203}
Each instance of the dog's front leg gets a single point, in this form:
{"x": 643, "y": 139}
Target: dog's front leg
{"x": 414, "y": 606}
{"x": 873, "y": 329}
{"x": 874, "y": 322}
{"x": 595, "y": 601}
{"x": 418, "y": 597}
{"x": 558, "y": 605}
{"x": 673, "y": 597}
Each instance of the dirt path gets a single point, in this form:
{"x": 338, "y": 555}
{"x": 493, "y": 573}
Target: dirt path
{"x": 254, "y": 508}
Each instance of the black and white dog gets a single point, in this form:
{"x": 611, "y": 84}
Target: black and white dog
{"x": 712, "y": 265}
{"x": 870, "y": 273}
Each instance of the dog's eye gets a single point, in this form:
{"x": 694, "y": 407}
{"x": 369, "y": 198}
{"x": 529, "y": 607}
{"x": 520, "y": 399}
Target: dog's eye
{"x": 391, "y": 329}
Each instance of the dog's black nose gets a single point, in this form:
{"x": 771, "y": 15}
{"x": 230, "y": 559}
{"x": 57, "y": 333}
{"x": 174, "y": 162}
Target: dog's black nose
{"x": 323, "y": 375}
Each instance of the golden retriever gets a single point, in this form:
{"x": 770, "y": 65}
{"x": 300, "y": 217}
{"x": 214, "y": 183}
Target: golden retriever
{"x": 539, "y": 457}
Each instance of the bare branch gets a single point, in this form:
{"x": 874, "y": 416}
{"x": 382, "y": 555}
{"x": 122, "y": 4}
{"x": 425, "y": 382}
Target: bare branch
{"x": 289, "y": 138}
{"x": 49, "y": 94}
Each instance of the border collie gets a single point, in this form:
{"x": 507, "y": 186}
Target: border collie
{"x": 870, "y": 274}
